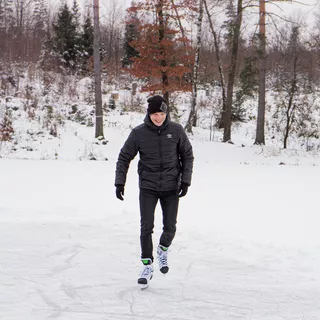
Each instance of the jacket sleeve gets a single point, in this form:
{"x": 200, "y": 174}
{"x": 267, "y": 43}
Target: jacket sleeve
{"x": 126, "y": 155}
{"x": 186, "y": 157}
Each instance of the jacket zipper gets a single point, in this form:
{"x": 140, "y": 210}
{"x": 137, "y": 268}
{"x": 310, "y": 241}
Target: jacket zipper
{"x": 161, "y": 158}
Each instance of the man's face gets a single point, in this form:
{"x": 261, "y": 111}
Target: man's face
{"x": 158, "y": 118}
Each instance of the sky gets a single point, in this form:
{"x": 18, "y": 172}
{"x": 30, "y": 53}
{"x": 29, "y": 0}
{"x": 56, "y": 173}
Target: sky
{"x": 301, "y": 11}
{"x": 306, "y": 7}
{"x": 247, "y": 242}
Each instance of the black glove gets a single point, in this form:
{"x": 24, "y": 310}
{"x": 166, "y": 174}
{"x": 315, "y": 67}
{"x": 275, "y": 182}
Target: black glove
{"x": 183, "y": 189}
{"x": 120, "y": 191}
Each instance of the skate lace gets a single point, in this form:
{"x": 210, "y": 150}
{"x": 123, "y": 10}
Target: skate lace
{"x": 163, "y": 258}
{"x": 147, "y": 270}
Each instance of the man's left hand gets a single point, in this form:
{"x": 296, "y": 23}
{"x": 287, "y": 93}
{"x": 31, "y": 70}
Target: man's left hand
{"x": 183, "y": 189}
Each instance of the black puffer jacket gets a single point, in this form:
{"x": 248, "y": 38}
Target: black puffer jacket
{"x": 166, "y": 157}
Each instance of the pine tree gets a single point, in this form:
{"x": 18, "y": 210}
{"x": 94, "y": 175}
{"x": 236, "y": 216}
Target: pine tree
{"x": 248, "y": 86}
{"x": 86, "y": 43}
{"x": 75, "y": 11}
{"x": 229, "y": 24}
{"x": 131, "y": 34}
{"x": 65, "y": 37}
{"x": 87, "y": 36}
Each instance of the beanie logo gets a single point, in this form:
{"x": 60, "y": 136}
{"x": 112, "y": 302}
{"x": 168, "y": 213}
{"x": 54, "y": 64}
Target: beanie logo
{"x": 163, "y": 107}
{"x": 169, "y": 136}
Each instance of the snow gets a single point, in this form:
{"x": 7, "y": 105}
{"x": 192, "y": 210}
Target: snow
{"x": 247, "y": 243}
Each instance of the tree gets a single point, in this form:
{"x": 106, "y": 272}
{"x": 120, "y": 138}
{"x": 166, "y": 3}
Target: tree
{"x": 49, "y": 59}
{"x": 193, "y": 116}
{"x": 216, "y": 43}
{"x": 131, "y": 34}
{"x": 6, "y": 11}
{"x": 86, "y": 42}
{"x": 40, "y": 19}
{"x": 65, "y": 36}
{"x": 112, "y": 40}
{"x": 292, "y": 88}
{"x": 6, "y": 18}
{"x": 97, "y": 70}
{"x": 260, "y": 138}
{"x": 248, "y": 86}
{"x": 75, "y": 11}
{"x": 230, "y": 24}
{"x": 232, "y": 72}
{"x": 163, "y": 60}
{"x": 6, "y": 128}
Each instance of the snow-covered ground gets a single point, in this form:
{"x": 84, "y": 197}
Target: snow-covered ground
{"x": 247, "y": 245}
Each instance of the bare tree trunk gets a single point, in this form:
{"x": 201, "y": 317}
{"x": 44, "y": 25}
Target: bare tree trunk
{"x": 217, "y": 50}
{"x": 260, "y": 139}
{"x": 97, "y": 71}
{"x": 232, "y": 74}
{"x": 291, "y": 106}
{"x": 193, "y": 114}
{"x": 163, "y": 62}
{"x": 183, "y": 36}
{"x": 179, "y": 22}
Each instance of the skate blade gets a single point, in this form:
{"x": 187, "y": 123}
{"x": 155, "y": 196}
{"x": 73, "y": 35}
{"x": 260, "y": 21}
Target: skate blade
{"x": 144, "y": 286}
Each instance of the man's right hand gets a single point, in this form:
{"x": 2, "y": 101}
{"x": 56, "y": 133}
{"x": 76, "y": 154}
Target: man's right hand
{"x": 120, "y": 191}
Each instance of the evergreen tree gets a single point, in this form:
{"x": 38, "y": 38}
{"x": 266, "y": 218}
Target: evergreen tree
{"x": 131, "y": 34}
{"x": 86, "y": 42}
{"x": 87, "y": 36}
{"x": 248, "y": 87}
{"x": 75, "y": 10}
{"x": 65, "y": 37}
{"x": 229, "y": 24}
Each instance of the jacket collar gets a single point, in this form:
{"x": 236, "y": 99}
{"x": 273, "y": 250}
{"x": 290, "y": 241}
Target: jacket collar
{"x": 150, "y": 124}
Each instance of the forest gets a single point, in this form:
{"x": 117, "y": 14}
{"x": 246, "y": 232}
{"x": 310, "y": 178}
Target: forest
{"x": 253, "y": 65}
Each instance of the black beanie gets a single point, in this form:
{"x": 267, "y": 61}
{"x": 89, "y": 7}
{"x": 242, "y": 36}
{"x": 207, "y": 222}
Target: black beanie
{"x": 157, "y": 104}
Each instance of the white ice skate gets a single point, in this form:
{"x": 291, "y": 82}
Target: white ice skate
{"x": 162, "y": 255}
{"x": 146, "y": 274}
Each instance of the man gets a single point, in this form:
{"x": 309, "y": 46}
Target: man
{"x": 165, "y": 170}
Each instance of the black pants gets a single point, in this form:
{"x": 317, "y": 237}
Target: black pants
{"x": 169, "y": 202}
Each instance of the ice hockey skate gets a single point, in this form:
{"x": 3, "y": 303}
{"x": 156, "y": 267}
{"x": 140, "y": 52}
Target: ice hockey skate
{"x": 146, "y": 274}
{"x": 162, "y": 255}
